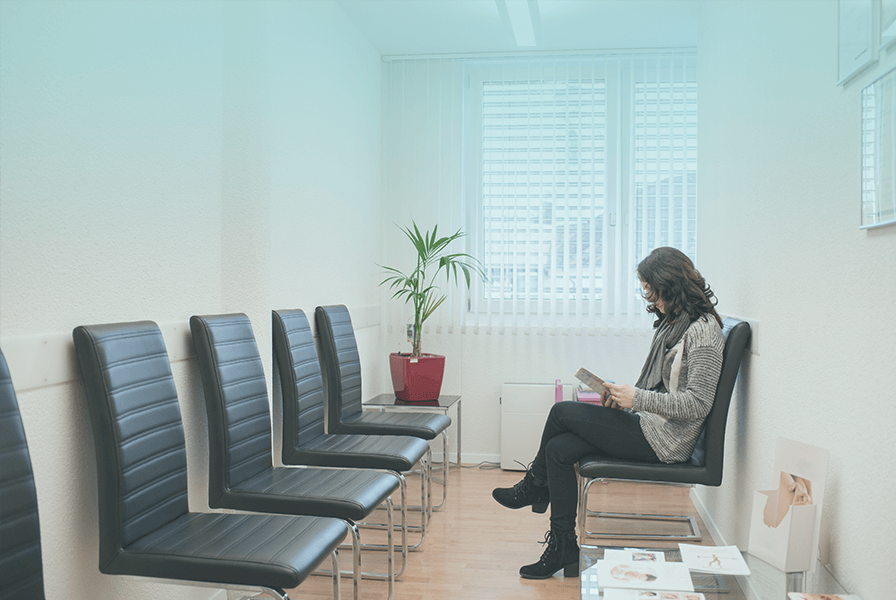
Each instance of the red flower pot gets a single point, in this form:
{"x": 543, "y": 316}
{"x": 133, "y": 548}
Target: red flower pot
{"x": 417, "y": 379}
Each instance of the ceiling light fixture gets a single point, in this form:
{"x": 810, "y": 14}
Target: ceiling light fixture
{"x": 520, "y": 16}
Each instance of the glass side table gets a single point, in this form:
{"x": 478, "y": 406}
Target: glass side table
{"x": 389, "y": 403}
{"x": 765, "y": 582}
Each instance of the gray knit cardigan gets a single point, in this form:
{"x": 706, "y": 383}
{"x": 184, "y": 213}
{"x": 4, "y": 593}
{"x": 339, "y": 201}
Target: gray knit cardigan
{"x": 672, "y": 416}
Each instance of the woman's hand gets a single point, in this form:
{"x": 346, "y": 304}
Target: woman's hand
{"x": 619, "y": 396}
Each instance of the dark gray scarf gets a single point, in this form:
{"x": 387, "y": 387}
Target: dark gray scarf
{"x": 667, "y": 335}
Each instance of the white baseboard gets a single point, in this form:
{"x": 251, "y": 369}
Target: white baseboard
{"x": 717, "y": 536}
{"x": 707, "y": 519}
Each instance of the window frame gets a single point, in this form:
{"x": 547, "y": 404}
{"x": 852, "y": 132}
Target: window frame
{"x": 618, "y": 251}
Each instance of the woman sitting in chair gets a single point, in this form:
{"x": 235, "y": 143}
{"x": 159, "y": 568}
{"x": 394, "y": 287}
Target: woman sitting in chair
{"x": 659, "y": 419}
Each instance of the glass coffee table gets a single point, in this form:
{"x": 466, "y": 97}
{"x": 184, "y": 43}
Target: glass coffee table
{"x": 765, "y": 582}
{"x": 389, "y": 403}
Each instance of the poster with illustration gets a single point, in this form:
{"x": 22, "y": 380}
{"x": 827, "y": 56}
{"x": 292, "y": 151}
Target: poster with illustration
{"x": 786, "y": 521}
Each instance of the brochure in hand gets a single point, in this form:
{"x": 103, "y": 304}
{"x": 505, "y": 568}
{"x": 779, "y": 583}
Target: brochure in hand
{"x": 724, "y": 560}
{"x": 591, "y": 380}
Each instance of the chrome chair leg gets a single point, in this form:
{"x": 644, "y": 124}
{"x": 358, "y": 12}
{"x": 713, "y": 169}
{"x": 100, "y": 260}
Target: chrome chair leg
{"x": 389, "y": 575}
{"x": 445, "y": 469}
{"x": 267, "y": 592}
{"x": 584, "y": 513}
{"x": 337, "y": 593}
{"x": 425, "y": 506}
{"x": 390, "y": 527}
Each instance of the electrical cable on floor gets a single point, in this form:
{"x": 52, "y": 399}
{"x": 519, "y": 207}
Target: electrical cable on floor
{"x": 484, "y": 465}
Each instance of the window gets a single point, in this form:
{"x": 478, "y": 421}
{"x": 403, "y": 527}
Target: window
{"x": 565, "y": 171}
{"x": 543, "y": 146}
{"x": 582, "y": 166}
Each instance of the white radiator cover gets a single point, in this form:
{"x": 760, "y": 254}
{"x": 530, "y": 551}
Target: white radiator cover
{"x": 524, "y": 408}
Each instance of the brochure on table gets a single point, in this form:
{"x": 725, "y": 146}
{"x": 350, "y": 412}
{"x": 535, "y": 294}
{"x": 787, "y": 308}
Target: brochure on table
{"x": 618, "y": 594}
{"x": 803, "y": 596}
{"x": 785, "y": 524}
{"x": 722, "y": 560}
{"x": 634, "y": 554}
{"x": 643, "y": 575}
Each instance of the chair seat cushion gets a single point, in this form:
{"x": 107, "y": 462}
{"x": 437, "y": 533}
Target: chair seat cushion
{"x": 396, "y": 453}
{"x": 602, "y": 466}
{"x": 259, "y": 550}
{"x": 421, "y": 425}
{"x": 341, "y": 493}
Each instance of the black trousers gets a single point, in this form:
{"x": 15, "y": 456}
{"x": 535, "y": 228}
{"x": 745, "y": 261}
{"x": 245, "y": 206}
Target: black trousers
{"x": 574, "y": 430}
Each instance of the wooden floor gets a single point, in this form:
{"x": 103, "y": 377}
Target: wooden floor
{"x": 474, "y": 547}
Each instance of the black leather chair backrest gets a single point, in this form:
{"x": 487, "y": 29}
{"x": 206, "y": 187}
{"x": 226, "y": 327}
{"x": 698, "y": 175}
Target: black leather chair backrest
{"x": 707, "y": 460}
{"x": 339, "y": 353}
{"x": 21, "y": 570}
{"x": 712, "y": 440}
{"x": 300, "y": 379}
{"x": 141, "y": 454}
{"x": 236, "y": 400}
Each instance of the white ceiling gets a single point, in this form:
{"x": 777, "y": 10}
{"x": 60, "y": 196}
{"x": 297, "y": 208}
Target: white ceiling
{"x": 412, "y": 27}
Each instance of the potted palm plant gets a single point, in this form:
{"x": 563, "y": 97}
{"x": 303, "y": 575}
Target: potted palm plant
{"x": 418, "y": 376}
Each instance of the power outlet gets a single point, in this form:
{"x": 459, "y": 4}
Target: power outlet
{"x": 753, "y": 344}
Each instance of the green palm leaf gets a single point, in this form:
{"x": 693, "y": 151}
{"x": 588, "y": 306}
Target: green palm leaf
{"x": 419, "y": 287}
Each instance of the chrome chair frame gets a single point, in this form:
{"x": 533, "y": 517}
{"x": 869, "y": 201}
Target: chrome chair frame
{"x": 704, "y": 467}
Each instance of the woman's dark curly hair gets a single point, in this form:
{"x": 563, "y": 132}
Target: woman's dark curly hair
{"x": 670, "y": 273}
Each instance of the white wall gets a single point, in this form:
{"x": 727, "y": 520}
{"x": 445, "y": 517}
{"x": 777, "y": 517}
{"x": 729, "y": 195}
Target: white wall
{"x": 165, "y": 159}
{"x": 780, "y": 242}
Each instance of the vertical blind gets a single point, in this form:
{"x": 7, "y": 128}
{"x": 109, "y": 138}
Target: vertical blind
{"x": 565, "y": 171}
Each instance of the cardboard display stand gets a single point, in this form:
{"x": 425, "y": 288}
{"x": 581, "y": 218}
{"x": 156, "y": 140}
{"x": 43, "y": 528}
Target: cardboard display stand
{"x": 785, "y": 524}
{"x": 787, "y": 546}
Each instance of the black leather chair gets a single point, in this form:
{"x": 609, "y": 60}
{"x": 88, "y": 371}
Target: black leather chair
{"x": 21, "y": 570}
{"x": 241, "y": 471}
{"x": 304, "y": 439}
{"x": 704, "y": 467}
{"x": 345, "y": 412}
{"x": 146, "y": 528}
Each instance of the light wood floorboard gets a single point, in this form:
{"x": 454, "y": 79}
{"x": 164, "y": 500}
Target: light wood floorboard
{"x": 474, "y": 547}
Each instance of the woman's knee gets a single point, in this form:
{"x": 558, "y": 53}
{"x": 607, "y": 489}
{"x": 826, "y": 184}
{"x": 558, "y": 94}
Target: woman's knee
{"x": 555, "y": 409}
{"x": 557, "y": 452}
{"x": 561, "y": 410}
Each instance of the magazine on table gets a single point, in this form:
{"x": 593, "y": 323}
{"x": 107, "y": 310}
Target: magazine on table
{"x": 722, "y": 560}
{"x": 618, "y": 594}
{"x": 583, "y": 393}
{"x": 644, "y": 575}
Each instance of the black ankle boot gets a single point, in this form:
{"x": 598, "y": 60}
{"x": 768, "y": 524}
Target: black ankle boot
{"x": 561, "y": 552}
{"x": 523, "y": 494}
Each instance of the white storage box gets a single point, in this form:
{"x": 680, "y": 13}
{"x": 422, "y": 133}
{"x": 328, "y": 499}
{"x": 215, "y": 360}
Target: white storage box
{"x": 789, "y": 545}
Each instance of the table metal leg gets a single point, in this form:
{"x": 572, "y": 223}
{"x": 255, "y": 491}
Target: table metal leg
{"x": 458, "y": 432}
{"x": 796, "y": 582}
